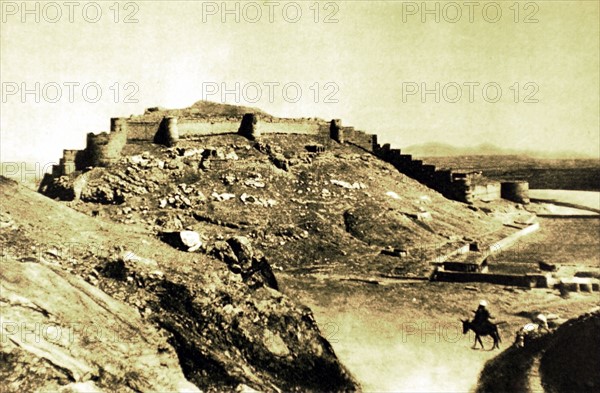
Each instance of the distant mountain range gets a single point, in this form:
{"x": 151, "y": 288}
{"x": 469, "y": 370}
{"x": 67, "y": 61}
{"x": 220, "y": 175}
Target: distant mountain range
{"x": 435, "y": 149}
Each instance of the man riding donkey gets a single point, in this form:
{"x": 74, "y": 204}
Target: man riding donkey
{"x": 482, "y": 326}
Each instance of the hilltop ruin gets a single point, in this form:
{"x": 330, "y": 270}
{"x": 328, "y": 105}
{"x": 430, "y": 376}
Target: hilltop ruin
{"x": 167, "y": 127}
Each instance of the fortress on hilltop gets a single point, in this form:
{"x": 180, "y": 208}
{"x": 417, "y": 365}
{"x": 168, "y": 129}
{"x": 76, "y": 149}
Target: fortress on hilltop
{"x": 167, "y": 127}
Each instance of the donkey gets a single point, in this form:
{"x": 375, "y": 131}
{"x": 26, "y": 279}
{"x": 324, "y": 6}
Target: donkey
{"x": 485, "y": 329}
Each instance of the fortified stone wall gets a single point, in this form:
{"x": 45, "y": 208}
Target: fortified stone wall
{"x": 141, "y": 130}
{"x": 101, "y": 149}
{"x": 191, "y": 128}
{"x": 105, "y": 148}
{"x": 168, "y": 132}
{"x": 359, "y": 138}
{"x": 521, "y": 280}
{"x": 290, "y": 127}
{"x": 487, "y": 192}
{"x": 68, "y": 163}
{"x": 461, "y": 186}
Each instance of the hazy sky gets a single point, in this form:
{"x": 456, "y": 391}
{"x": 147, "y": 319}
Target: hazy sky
{"x": 374, "y": 59}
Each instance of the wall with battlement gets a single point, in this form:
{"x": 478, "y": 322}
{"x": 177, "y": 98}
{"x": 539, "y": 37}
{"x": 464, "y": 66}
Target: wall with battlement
{"x": 359, "y": 138}
{"x": 192, "y": 128}
{"x": 460, "y": 186}
{"x": 101, "y": 149}
{"x": 68, "y": 163}
{"x": 105, "y": 149}
{"x": 141, "y": 130}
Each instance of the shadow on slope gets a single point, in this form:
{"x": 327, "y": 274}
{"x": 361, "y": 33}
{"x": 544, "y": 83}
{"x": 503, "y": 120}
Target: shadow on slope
{"x": 566, "y": 360}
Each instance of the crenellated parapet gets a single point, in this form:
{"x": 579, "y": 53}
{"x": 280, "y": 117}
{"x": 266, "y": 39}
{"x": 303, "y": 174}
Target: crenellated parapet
{"x": 67, "y": 164}
{"x": 461, "y": 186}
{"x": 104, "y": 149}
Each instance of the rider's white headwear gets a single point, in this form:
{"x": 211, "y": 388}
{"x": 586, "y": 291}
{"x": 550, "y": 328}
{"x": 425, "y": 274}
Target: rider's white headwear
{"x": 483, "y": 303}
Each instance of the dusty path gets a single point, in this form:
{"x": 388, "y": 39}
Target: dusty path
{"x": 393, "y": 355}
{"x": 407, "y": 337}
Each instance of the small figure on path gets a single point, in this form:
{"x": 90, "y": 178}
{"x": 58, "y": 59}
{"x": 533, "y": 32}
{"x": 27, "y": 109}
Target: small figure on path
{"x": 482, "y": 326}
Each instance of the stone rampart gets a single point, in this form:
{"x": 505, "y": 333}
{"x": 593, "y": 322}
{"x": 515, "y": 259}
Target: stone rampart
{"x": 105, "y": 148}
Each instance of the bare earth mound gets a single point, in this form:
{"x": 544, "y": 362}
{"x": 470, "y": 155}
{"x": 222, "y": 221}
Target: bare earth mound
{"x": 227, "y": 330}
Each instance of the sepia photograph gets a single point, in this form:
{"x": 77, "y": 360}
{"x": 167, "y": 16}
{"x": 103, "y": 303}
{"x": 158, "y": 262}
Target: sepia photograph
{"x": 300, "y": 196}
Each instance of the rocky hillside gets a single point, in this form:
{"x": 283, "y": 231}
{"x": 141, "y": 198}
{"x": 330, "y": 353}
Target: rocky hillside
{"x": 194, "y": 236}
{"x": 91, "y": 304}
{"x": 564, "y": 360}
{"x": 335, "y": 210}
{"x": 571, "y": 362}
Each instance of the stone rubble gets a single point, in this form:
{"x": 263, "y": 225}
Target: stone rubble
{"x": 249, "y": 199}
{"x": 345, "y": 184}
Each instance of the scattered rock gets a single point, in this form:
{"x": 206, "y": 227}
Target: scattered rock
{"x": 129, "y": 256}
{"x": 231, "y": 156}
{"x": 228, "y": 179}
{"x": 191, "y": 240}
{"x": 205, "y": 164}
{"x": 420, "y": 216}
{"x": 213, "y": 153}
{"x": 249, "y": 199}
{"x": 175, "y": 164}
{"x": 395, "y": 252}
{"x": 80, "y": 387}
{"x": 275, "y": 344}
{"x": 254, "y": 183}
{"x": 242, "y": 248}
{"x": 222, "y": 197}
{"x": 344, "y": 184}
{"x": 242, "y": 259}
{"x": 243, "y": 388}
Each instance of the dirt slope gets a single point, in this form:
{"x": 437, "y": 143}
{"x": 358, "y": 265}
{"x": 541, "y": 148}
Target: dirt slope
{"x": 226, "y": 333}
{"x": 329, "y": 213}
{"x": 58, "y": 329}
{"x": 335, "y": 210}
{"x": 565, "y": 360}
{"x": 571, "y": 363}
